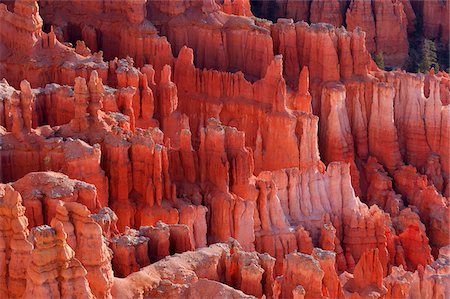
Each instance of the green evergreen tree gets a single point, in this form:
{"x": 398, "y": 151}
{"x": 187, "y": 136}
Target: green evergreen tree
{"x": 379, "y": 60}
{"x": 429, "y": 57}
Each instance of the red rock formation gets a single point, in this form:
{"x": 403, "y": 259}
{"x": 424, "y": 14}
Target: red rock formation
{"x": 435, "y": 21}
{"x": 304, "y": 270}
{"x": 296, "y": 10}
{"x": 229, "y": 151}
{"x": 360, "y": 14}
{"x": 249, "y": 271}
{"x": 302, "y": 99}
{"x": 435, "y": 276}
{"x": 107, "y": 220}
{"x": 432, "y": 206}
{"x": 84, "y": 236}
{"x": 130, "y": 253}
{"x": 367, "y": 231}
{"x": 329, "y": 53}
{"x": 80, "y": 233}
{"x": 398, "y": 283}
{"x": 135, "y": 249}
{"x": 237, "y": 7}
{"x": 409, "y": 116}
{"x": 336, "y": 139}
{"x": 381, "y": 128}
{"x": 15, "y": 248}
{"x": 268, "y": 92}
{"x": 32, "y": 47}
{"x": 41, "y": 192}
{"x": 331, "y": 283}
{"x": 379, "y": 190}
{"x": 52, "y": 259}
{"x": 31, "y": 32}
{"x": 223, "y": 33}
{"x": 49, "y": 153}
{"x": 178, "y": 274}
{"x": 386, "y": 24}
{"x": 426, "y": 283}
{"x": 138, "y": 38}
{"x": 367, "y": 278}
{"x": 410, "y": 15}
{"x": 411, "y": 233}
{"x": 304, "y": 242}
{"x": 326, "y": 12}
{"x": 372, "y": 16}
{"x": 159, "y": 242}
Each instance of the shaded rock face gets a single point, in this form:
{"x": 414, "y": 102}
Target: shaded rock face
{"x": 184, "y": 149}
{"x": 386, "y": 23}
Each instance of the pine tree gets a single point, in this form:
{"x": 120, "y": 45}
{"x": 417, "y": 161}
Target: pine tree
{"x": 429, "y": 57}
{"x": 379, "y": 60}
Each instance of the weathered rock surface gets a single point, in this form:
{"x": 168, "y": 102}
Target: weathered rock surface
{"x": 91, "y": 249}
{"x": 386, "y": 23}
{"x": 435, "y": 22}
{"x": 41, "y": 192}
{"x": 15, "y": 250}
{"x": 367, "y": 278}
{"x": 179, "y": 273}
{"x": 54, "y": 271}
{"x": 138, "y": 133}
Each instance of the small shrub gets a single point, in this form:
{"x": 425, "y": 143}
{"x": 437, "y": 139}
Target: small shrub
{"x": 379, "y": 60}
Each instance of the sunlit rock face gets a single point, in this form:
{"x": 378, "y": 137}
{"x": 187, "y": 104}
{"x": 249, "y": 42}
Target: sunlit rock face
{"x": 192, "y": 149}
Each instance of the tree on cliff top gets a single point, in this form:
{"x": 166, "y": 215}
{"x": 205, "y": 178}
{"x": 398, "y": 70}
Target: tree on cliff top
{"x": 429, "y": 57}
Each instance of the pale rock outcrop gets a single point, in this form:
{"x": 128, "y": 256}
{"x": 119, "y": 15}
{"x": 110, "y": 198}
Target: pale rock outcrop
{"x": 176, "y": 273}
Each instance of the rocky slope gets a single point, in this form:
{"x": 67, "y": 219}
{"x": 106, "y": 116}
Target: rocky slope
{"x": 187, "y": 149}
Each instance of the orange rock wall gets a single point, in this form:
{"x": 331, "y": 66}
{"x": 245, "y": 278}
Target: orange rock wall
{"x": 309, "y": 172}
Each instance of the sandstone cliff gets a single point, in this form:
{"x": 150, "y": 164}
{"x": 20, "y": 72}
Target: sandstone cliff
{"x": 187, "y": 149}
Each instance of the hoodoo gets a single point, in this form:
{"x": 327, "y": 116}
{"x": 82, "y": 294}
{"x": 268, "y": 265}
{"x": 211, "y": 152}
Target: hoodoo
{"x": 224, "y": 148}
